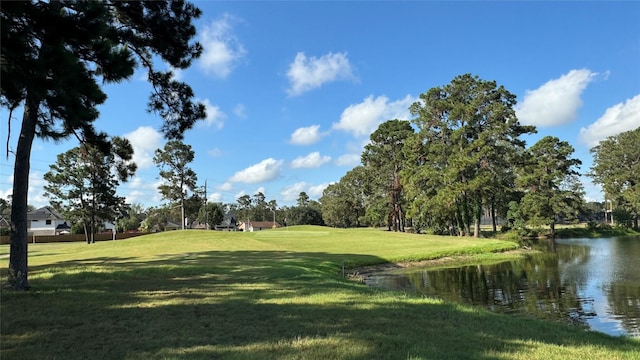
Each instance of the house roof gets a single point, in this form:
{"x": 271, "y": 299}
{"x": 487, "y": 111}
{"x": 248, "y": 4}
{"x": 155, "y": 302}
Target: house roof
{"x": 44, "y": 213}
{"x": 63, "y": 226}
{"x": 4, "y": 221}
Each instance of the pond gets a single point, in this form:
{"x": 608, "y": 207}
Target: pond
{"x": 593, "y": 283}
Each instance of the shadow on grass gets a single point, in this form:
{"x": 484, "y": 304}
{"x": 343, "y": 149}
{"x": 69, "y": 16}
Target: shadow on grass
{"x": 254, "y": 305}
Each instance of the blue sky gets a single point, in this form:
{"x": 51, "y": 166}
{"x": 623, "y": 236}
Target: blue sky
{"x": 293, "y": 89}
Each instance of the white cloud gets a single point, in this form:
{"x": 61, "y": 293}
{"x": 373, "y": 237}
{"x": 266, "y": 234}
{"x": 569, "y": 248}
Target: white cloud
{"x": 315, "y": 192}
{"x": 215, "y": 152}
{"x": 214, "y": 115}
{"x": 313, "y": 160}
{"x": 226, "y": 186}
{"x": 350, "y": 160}
{"x": 36, "y": 189}
{"x": 616, "y": 119}
{"x": 364, "y": 118}
{"x": 144, "y": 140}
{"x": 306, "y": 135}
{"x": 240, "y": 111}
{"x": 239, "y": 195}
{"x": 177, "y": 73}
{"x": 309, "y": 73}
{"x": 265, "y": 170}
{"x": 556, "y": 102}
{"x": 222, "y": 49}
{"x": 291, "y": 192}
{"x": 142, "y": 191}
{"x": 215, "y": 197}
{"x": 259, "y": 190}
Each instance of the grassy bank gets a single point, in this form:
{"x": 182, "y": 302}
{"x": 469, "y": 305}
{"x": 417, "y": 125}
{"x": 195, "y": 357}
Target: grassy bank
{"x": 276, "y": 294}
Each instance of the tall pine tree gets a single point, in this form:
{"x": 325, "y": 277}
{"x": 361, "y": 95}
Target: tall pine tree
{"x": 56, "y": 55}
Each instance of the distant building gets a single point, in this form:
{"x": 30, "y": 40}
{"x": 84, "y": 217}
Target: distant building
{"x": 45, "y": 221}
{"x": 5, "y": 225}
{"x": 257, "y": 225}
{"x": 229, "y": 223}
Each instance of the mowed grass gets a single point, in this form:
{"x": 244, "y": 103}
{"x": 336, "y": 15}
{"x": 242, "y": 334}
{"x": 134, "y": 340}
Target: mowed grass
{"x": 275, "y": 294}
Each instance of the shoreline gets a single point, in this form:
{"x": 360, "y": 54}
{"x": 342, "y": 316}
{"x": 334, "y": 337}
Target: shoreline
{"x": 362, "y": 273}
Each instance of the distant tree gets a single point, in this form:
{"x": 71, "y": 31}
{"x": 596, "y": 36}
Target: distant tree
{"x": 303, "y": 199}
{"x": 192, "y": 205}
{"x": 260, "y": 208}
{"x": 213, "y": 214}
{"x": 5, "y": 207}
{"x": 56, "y": 55}
{"x": 157, "y": 219}
{"x": 385, "y": 157}
{"x": 133, "y": 217}
{"x": 83, "y": 183}
{"x": 307, "y": 212}
{"x": 616, "y": 166}
{"x": 343, "y": 203}
{"x": 549, "y": 180}
{"x": 592, "y": 211}
{"x": 463, "y": 156}
{"x": 178, "y": 177}
{"x": 244, "y": 205}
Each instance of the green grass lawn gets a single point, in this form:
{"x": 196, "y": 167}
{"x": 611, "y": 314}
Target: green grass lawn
{"x": 275, "y": 294}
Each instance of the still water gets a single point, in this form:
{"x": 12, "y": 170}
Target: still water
{"x": 588, "y": 282}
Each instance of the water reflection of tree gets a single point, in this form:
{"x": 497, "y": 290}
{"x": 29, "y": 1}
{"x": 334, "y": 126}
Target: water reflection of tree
{"x": 530, "y": 286}
{"x": 623, "y": 294}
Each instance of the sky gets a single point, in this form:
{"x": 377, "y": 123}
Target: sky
{"x": 293, "y": 89}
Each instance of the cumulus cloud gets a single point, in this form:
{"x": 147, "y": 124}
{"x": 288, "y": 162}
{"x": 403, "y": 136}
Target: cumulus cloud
{"x": 222, "y": 49}
{"x": 350, "y": 160}
{"x": 141, "y": 191}
{"x": 265, "y": 170}
{"x": 315, "y": 191}
{"x": 215, "y": 198}
{"x": 557, "y": 101}
{"x": 313, "y": 160}
{"x": 177, "y": 73}
{"x": 215, "y": 152}
{"x": 226, "y": 186}
{"x": 292, "y": 192}
{"x": 144, "y": 140}
{"x": 364, "y": 118}
{"x": 215, "y": 116}
{"x": 307, "y": 73}
{"x": 616, "y": 119}
{"x": 306, "y": 135}
{"x": 35, "y": 192}
{"x": 240, "y": 111}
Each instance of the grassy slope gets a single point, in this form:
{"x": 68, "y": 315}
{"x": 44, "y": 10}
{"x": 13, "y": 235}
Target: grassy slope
{"x": 272, "y": 294}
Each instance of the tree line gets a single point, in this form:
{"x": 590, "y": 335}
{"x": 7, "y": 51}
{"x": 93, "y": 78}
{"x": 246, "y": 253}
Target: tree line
{"x": 464, "y": 156}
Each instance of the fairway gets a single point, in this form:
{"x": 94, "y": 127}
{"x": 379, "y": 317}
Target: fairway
{"x": 273, "y": 294}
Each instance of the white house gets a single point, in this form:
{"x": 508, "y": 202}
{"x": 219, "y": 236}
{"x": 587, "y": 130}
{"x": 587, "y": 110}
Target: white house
{"x": 46, "y": 221}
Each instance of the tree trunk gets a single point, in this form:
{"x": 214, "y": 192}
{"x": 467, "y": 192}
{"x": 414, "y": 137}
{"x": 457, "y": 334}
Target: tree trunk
{"x": 476, "y": 219}
{"x": 18, "y": 267}
{"x": 553, "y": 229}
{"x": 493, "y": 217}
{"x": 86, "y": 232}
